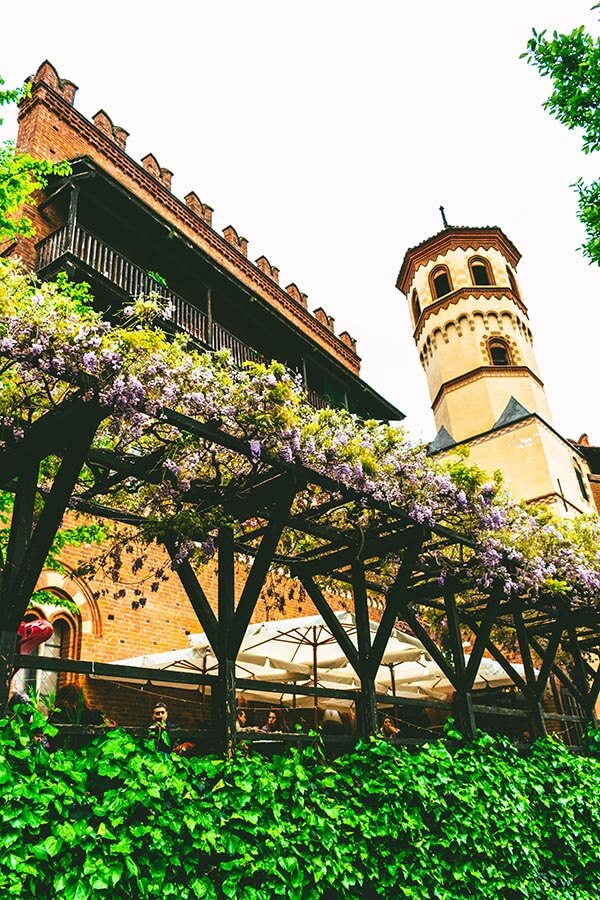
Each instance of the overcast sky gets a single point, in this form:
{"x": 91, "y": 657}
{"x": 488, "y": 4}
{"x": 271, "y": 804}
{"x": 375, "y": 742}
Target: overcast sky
{"x": 328, "y": 133}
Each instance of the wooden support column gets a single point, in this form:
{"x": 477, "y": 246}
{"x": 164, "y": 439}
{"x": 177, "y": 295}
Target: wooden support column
{"x": 196, "y": 596}
{"x": 21, "y": 526}
{"x": 329, "y": 617}
{"x": 224, "y": 711}
{"x": 72, "y": 216}
{"x": 367, "y": 712}
{"x": 581, "y": 677}
{"x": 463, "y": 698}
{"x": 549, "y": 655}
{"x": 8, "y": 648}
{"x": 23, "y": 580}
{"x": 560, "y": 674}
{"x": 537, "y": 717}
{"x": 393, "y": 599}
{"x": 262, "y": 562}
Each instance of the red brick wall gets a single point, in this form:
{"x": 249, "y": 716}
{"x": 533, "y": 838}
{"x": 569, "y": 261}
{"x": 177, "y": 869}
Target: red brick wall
{"x": 50, "y": 128}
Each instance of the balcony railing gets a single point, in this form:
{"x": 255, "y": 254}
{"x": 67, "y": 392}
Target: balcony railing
{"x": 134, "y": 281}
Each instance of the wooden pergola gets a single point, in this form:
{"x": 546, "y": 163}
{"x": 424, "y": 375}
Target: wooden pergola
{"x": 392, "y": 557}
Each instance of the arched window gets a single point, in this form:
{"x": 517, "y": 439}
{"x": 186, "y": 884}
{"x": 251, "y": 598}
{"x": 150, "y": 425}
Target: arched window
{"x": 440, "y": 282}
{"x": 58, "y": 646}
{"x": 481, "y": 272}
{"x": 416, "y": 307}
{"x": 499, "y": 352}
{"x": 513, "y": 284}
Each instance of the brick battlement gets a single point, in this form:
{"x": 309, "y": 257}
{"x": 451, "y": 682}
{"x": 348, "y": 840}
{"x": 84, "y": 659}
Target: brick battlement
{"x": 51, "y": 128}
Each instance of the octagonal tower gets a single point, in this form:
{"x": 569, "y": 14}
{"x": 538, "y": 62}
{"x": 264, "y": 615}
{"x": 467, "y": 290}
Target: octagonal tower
{"x": 471, "y": 328}
{"x": 474, "y": 340}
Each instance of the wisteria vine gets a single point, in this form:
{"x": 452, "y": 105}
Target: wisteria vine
{"x": 53, "y": 344}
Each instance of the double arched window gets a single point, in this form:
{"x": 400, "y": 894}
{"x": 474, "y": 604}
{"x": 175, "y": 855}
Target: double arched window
{"x": 440, "y": 282}
{"x": 481, "y": 272}
{"x": 499, "y": 352}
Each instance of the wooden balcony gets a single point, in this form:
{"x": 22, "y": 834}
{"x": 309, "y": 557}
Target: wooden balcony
{"x": 79, "y": 244}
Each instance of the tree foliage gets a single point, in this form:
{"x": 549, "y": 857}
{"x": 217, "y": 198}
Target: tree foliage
{"x": 20, "y": 175}
{"x": 454, "y": 820}
{"x": 572, "y": 62}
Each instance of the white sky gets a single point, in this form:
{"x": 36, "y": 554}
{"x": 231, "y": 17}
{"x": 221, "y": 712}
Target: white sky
{"x": 328, "y": 132}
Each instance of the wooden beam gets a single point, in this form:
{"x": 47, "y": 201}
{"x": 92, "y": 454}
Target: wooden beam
{"x": 408, "y": 615}
{"x": 463, "y": 700}
{"x": 260, "y": 567}
{"x": 331, "y": 620}
{"x": 482, "y": 638}
{"x": 226, "y": 651}
{"x": 48, "y": 434}
{"x": 195, "y": 594}
{"x": 560, "y": 674}
{"x": 24, "y": 580}
{"x": 549, "y": 655}
{"x": 393, "y": 599}
{"x": 21, "y": 526}
{"x": 500, "y": 658}
{"x": 378, "y": 547}
{"x": 368, "y": 704}
{"x": 539, "y": 726}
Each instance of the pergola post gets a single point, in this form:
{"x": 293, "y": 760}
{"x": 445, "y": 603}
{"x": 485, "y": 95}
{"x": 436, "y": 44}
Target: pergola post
{"x": 224, "y": 706}
{"x": 537, "y": 719}
{"x": 8, "y": 648}
{"x": 463, "y": 700}
{"x": 367, "y": 712}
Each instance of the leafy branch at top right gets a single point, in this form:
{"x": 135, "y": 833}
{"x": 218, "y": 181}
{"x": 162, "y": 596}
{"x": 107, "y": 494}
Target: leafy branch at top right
{"x": 572, "y": 61}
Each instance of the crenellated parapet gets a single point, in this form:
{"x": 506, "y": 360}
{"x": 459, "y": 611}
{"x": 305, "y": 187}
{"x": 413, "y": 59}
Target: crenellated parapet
{"x": 65, "y": 133}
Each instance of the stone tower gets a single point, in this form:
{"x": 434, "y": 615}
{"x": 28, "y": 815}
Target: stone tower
{"x": 472, "y": 332}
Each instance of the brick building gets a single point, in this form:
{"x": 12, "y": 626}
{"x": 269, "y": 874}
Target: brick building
{"x": 116, "y": 224}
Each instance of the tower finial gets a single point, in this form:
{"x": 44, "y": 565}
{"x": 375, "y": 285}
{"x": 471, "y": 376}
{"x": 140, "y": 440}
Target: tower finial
{"x": 443, "y": 217}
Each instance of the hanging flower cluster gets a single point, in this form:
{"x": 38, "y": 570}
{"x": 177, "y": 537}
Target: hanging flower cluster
{"x": 53, "y": 345}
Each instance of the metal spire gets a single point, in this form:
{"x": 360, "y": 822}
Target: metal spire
{"x": 443, "y": 217}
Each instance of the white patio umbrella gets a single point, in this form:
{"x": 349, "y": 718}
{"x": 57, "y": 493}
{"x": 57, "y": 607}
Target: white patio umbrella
{"x": 489, "y": 675}
{"x": 300, "y": 650}
{"x": 200, "y": 659}
{"x": 308, "y": 643}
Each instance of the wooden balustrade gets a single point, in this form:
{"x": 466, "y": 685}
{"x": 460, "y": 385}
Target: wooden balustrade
{"x": 134, "y": 282}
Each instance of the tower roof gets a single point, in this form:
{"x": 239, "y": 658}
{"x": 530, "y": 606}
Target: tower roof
{"x": 451, "y": 238}
{"x": 513, "y": 412}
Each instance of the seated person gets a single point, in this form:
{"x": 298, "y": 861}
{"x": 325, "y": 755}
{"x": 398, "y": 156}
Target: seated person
{"x": 240, "y": 723}
{"x": 158, "y": 732}
{"x": 275, "y": 722}
{"x": 388, "y": 729}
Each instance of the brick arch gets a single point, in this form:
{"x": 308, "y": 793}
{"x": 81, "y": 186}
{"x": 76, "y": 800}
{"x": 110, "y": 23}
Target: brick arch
{"x": 78, "y": 592}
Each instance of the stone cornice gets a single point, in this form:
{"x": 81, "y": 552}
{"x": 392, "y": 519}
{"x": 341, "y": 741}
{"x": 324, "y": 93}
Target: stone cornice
{"x": 483, "y": 372}
{"x": 148, "y": 187}
{"x": 464, "y": 293}
{"x": 453, "y": 238}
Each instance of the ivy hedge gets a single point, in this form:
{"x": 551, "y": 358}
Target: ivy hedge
{"x": 453, "y": 820}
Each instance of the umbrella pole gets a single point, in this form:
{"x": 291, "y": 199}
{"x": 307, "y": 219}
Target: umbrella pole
{"x": 393, "y": 679}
